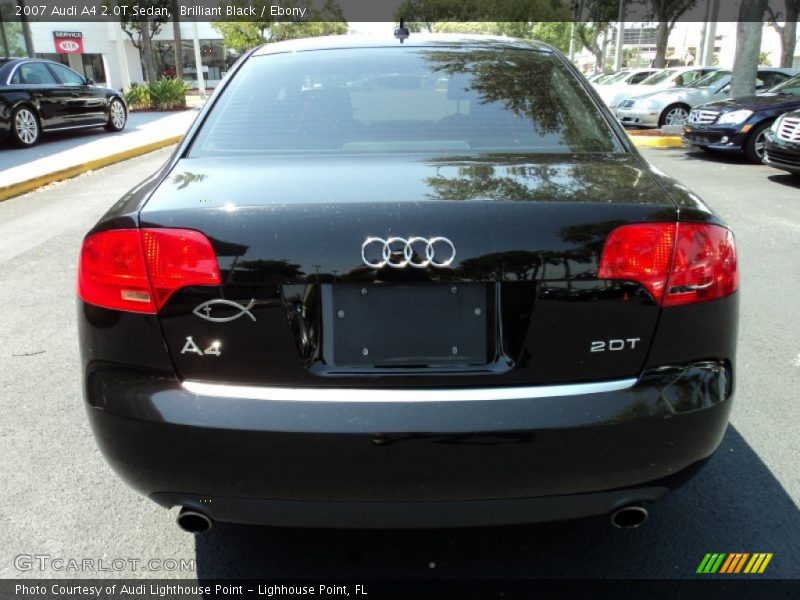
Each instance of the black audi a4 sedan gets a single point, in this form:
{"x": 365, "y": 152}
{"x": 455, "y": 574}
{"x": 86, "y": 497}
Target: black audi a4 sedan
{"x": 782, "y": 143}
{"x": 40, "y": 96}
{"x": 425, "y": 284}
{"x": 740, "y": 125}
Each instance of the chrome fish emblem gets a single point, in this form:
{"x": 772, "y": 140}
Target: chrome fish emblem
{"x": 204, "y": 310}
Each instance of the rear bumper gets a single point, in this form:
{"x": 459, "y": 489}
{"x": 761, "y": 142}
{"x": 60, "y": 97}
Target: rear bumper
{"x": 288, "y": 459}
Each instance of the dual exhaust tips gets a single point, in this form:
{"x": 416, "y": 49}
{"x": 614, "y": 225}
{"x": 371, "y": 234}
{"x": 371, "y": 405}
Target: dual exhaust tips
{"x": 627, "y": 517}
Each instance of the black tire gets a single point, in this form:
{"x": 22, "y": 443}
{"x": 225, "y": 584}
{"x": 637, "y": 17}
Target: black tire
{"x": 26, "y": 129}
{"x": 754, "y": 146}
{"x": 117, "y": 115}
{"x": 667, "y": 114}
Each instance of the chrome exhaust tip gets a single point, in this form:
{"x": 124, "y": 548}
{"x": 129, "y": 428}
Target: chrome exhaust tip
{"x": 629, "y": 517}
{"x": 193, "y": 521}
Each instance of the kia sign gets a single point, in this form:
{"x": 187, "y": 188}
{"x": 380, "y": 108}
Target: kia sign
{"x": 68, "y": 42}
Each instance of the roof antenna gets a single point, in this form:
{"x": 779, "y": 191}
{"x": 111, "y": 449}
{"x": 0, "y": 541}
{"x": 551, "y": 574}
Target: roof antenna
{"x": 401, "y": 33}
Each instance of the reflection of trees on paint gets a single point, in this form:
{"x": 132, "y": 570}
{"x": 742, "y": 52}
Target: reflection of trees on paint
{"x": 182, "y": 180}
{"x": 498, "y": 177}
{"x": 263, "y": 270}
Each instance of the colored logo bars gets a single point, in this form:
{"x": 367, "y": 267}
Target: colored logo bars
{"x": 734, "y": 562}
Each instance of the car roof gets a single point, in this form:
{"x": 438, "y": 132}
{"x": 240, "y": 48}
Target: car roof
{"x": 415, "y": 40}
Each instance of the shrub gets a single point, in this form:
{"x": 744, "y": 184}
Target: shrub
{"x": 137, "y": 97}
{"x": 168, "y": 93}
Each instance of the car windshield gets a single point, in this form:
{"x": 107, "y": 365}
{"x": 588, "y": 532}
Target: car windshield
{"x": 616, "y": 77}
{"x": 710, "y": 80}
{"x": 605, "y": 78}
{"x": 405, "y": 100}
{"x": 660, "y": 76}
{"x": 790, "y": 86}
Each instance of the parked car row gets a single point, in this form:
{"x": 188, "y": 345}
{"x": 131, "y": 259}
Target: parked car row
{"x": 741, "y": 125}
{"x": 672, "y": 106}
{"x": 658, "y": 79}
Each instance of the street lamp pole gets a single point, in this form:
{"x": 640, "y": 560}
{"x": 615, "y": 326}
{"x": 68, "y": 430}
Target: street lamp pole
{"x": 620, "y": 36}
{"x": 198, "y": 61}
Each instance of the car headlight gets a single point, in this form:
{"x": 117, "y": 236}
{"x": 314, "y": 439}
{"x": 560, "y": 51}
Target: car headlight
{"x": 776, "y": 124}
{"x": 734, "y": 117}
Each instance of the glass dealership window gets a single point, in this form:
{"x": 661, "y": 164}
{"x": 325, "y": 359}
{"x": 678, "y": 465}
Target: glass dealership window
{"x": 212, "y": 56}
{"x": 59, "y": 58}
{"x": 93, "y": 67}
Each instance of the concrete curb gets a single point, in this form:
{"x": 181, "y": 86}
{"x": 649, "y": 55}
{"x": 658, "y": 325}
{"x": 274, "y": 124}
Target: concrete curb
{"x": 656, "y": 141}
{"x": 22, "y": 187}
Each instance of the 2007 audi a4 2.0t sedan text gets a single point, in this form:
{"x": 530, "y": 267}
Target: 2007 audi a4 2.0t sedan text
{"x": 417, "y": 285}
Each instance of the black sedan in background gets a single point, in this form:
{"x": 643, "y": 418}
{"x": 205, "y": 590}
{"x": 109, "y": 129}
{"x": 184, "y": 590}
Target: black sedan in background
{"x": 424, "y": 285}
{"x": 740, "y": 125}
{"x": 39, "y": 96}
{"x": 782, "y": 143}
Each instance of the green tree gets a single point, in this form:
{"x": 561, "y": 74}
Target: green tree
{"x": 554, "y": 33}
{"x": 787, "y": 31}
{"x": 748, "y": 44}
{"x": 666, "y": 12}
{"x": 177, "y": 47}
{"x": 593, "y": 27}
{"x": 241, "y": 36}
{"x": 142, "y": 29}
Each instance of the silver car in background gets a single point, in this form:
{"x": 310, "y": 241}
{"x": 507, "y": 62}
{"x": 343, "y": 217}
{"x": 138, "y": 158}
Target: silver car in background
{"x": 675, "y": 77}
{"x": 671, "y": 107}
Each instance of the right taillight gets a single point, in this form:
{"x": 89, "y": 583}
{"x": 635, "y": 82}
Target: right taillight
{"x": 678, "y": 263}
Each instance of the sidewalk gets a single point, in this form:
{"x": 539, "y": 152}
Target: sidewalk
{"x": 60, "y": 156}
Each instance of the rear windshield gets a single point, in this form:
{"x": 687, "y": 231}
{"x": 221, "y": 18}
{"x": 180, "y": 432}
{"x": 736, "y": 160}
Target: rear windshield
{"x": 404, "y": 100}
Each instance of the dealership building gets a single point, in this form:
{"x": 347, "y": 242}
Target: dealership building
{"x": 107, "y": 54}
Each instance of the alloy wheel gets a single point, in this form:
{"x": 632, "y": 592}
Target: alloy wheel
{"x": 26, "y": 126}
{"x": 117, "y": 114}
{"x": 677, "y": 116}
{"x": 758, "y": 145}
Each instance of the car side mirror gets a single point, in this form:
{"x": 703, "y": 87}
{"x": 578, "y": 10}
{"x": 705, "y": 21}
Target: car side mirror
{"x": 724, "y": 89}
{"x": 89, "y": 81}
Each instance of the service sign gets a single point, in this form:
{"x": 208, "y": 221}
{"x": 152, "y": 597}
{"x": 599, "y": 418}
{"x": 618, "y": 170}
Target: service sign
{"x": 68, "y": 42}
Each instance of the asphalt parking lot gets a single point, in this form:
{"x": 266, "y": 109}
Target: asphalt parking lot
{"x": 60, "y": 499}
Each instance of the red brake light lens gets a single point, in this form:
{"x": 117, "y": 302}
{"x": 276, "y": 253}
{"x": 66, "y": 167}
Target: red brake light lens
{"x": 137, "y": 270}
{"x": 677, "y": 263}
{"x": 704, "y": 266}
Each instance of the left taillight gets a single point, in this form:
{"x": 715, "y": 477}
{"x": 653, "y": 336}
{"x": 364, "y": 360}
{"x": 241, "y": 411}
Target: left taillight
{"x": 137, "y": 270}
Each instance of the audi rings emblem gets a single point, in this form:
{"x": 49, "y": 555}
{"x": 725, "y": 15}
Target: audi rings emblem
{"x": 417, "y": 252}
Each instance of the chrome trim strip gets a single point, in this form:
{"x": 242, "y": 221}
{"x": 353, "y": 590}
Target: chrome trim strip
{"x": 66, "y": 127}
{"x": 345, "y": 395}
